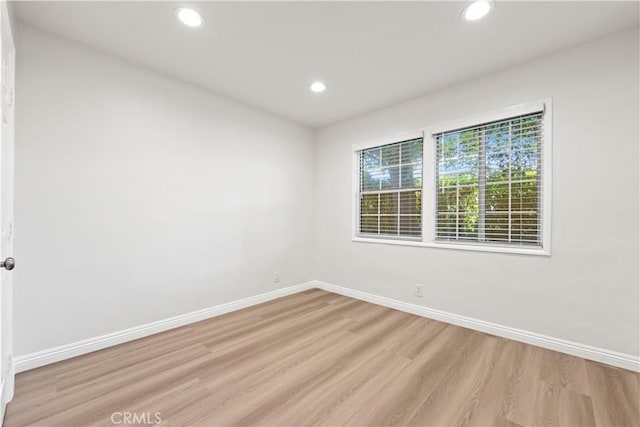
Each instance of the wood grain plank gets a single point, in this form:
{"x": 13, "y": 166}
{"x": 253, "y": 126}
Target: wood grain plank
{"x": 456, "y": 395}
{"x": 406, "y": 394}
{"x": 614, "y": 395}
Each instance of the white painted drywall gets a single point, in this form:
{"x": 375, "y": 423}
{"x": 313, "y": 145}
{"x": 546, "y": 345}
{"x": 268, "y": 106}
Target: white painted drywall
{"x": 139, "y": 197}
{"x": 587, "y": 291}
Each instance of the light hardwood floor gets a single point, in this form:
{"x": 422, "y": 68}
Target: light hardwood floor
{"x": 317, "y": 358}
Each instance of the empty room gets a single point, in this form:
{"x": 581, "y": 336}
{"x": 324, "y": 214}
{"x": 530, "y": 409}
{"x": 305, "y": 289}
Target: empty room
{"x": 320, "y": 213}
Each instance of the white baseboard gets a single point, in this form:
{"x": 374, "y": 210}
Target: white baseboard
{"x": 56, "y": 354}
{"x": 622, "y": 360}
{"x": 67, "y": 351}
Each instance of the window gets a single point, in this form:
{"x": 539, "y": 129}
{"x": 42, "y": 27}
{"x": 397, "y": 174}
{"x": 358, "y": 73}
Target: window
{"x": 489, "y": 182}
{"x": 485, "y": 185}
{"x": 390, "y": 190}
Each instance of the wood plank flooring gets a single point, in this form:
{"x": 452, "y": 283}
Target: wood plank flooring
{"x": 317, "y": 358}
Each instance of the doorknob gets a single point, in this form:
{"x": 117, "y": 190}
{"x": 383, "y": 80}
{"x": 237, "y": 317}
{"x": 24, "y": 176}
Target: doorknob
{"x": 8, "y": 263}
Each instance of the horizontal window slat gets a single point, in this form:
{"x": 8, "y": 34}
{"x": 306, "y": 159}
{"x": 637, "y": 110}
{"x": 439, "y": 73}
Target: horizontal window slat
{"x": 488, "y": 182}
{"x": 390, "y": 190}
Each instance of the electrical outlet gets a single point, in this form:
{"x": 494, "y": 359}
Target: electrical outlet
{"x": 419, "y": 291}
{"x": 276, "y": 277}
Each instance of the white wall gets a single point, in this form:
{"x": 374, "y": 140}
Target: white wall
{"x": 587, "y": 291}
{"x": 139, "y": 197}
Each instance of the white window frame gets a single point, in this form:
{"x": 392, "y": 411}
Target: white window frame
{"x": 429, "y": 181}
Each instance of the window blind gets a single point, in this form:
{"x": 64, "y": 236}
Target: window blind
{"x": 390, "y": 190}
{"x": 489, "y": 182}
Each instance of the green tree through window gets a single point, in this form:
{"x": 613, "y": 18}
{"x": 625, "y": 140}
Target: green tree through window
{"x": 488, "y": 182}
{"x": 390, "y": 190}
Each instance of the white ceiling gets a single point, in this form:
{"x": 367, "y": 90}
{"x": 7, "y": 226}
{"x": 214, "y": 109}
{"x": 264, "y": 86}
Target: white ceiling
{"x": 370, "y": 54}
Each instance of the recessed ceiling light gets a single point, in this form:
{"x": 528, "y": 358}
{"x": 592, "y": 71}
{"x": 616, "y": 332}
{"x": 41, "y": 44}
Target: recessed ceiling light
{"x": 477, "y": 10}
{"x": 318, "y": 87}
{"x": 189, "y": 17}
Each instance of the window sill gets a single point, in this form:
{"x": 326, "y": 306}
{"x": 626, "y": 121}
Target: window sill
{"x": 458, "y": 246}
